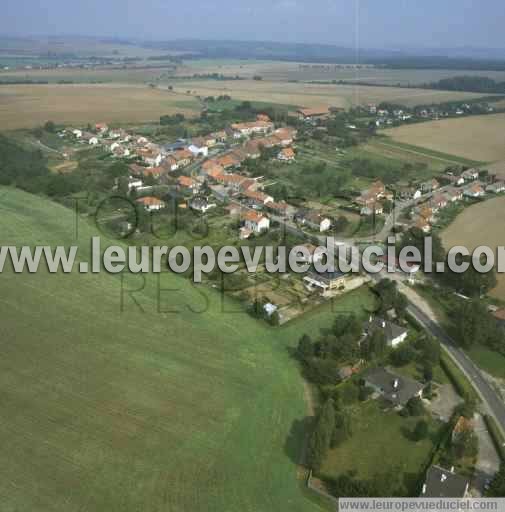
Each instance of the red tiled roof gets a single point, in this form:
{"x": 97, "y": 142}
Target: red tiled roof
{"x": 230, "y": 178}
{"x": 185, "y": 181}
{"x": 253, "y": 217}
{"x": 229, "y": 160}
{"x": 257, "y": 196}
{"x": 150, "y": 201}
{"x": 156, "y": 172}
{"x": 463, "y": 425}
{"x": 288, "y": 153}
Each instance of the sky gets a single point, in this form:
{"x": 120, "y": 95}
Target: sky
{"x": 392, "y": 24}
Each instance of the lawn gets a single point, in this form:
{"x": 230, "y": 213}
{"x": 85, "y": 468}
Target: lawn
{"x": 185, "y": 404}
{"x": 488, "y": 360}
{"x": 380, "y": 443}
{"x": 415, "y": 371}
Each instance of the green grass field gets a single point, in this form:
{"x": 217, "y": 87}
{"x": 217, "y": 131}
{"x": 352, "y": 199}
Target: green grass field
{"x": 186, "y": 405}
{"x": 380, "y": 443}
{"x": 488, "y": 360}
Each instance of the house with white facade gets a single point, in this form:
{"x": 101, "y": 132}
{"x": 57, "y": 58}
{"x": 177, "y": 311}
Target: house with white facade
{"x": 256, "y": 222}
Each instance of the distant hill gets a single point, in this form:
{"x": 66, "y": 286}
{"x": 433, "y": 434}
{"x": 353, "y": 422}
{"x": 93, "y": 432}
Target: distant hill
{"x": 458, "y": 59}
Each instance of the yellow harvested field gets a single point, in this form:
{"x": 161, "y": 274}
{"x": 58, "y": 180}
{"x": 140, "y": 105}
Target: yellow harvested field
{"x": 307, "y": 71}
{"x": 25, "y": 106}
{"x": 481, "y": 224}
{"x": 313, "y": 94}
{"x": 479, "y": 138}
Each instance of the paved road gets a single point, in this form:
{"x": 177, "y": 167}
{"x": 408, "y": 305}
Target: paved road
{"x": 490, "y": 397}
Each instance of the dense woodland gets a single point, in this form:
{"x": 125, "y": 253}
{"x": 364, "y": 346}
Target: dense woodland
{"x": 481, "y": 84}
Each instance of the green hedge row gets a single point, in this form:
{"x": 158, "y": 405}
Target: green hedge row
{"x": 458, "y": 378}
{"x": 496, "y": 435}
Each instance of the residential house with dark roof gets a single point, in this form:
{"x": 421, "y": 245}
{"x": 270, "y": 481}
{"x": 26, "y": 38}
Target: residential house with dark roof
{"x": 200, "y": 204}
{"x": 395, "y": 334}
{"x": 395, "y": 389}
{"x": 325, "y": 281}
{"x": 442, "y": 483}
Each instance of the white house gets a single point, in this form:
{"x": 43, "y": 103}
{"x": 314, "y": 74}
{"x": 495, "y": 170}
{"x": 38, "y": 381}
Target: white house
{"x": 198, "y": 150}
{"x": 121, "y": 152}
{"x": 474, "y": 191}
{"x": 200, "y": 204}
{"x": 470, "y": 174}
{"x": 93, "y": 141}
{"x": 151, "y": 203}
{"x": 256, "y": 222}
{"x": 134, "y": 183}
{"x": 316, "y": 221}
{"x": 286, "y": 155}
{"x": 77, "y": 133}
{"x": 497, "y": 187}
{"x": 247, "y": 129}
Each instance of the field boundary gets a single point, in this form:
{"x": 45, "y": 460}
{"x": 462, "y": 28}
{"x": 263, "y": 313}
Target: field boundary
{"x": 427, "y": 153}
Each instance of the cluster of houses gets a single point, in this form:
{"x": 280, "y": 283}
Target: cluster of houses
{"x": 221, "y": 172}
{"x": 371, "y": 201}
{"x": 386, "y": 117}
{"x": 157, "y": 161}
{"x": 464, "y": 185}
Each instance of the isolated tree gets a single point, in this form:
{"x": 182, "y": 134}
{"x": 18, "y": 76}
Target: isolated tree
{"x": 467, "y": 409}
{"x": 466, "y": 445}
{"x": 342, "y": 429}
{"x": 421, "y": 430}
{"x": 347, "y": 324}
{"x": 374, "y": 345}
{"x": 497, "y": 486}
{"x": 50, "y": 127}
{"x": 430, "y": 350}
{"x": 305, "y": 348}
{"x": 403, "y": 355}
{"x": 428, "y": 372}
{"x": 275, "y": 319}
{"x": 415, "y": 406}
{"x": 320, "y": 440}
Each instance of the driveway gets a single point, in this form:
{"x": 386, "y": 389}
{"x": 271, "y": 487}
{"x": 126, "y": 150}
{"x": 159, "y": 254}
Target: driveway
{"x": 488, "y": 461}
{"x": 444, "y": 404}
